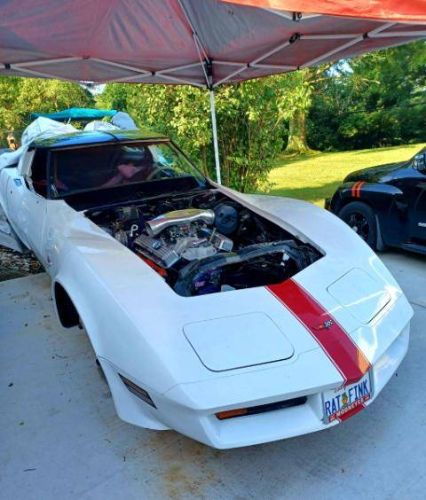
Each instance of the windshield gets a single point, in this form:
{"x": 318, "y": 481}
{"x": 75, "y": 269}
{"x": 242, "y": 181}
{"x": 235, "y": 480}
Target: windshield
{"x": 101, "y": 167}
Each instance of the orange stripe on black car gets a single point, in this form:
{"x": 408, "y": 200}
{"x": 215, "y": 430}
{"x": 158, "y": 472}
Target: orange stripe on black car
{"x": 359, "y": 187}
{"x": 356, "y": 189}
{"x": 353, "y": 189}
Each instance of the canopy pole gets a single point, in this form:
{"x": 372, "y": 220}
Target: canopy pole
{"x": 215, "y": 140}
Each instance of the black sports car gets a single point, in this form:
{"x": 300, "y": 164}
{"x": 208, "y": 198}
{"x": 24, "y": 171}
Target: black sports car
{"x": 386, "y": 205}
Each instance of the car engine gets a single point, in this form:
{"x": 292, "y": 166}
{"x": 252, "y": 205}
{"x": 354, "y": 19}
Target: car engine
{"x": 182, "y": 234}
{"x": 205, "y": 243}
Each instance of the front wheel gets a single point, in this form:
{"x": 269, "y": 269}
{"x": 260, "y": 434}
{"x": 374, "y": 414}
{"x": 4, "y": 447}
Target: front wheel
{"x": 360, "y": 217}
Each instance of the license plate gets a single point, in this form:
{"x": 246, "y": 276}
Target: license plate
{"x": 341, "y": 403}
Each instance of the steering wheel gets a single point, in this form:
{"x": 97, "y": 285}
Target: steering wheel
{"x": 158, "y": 171}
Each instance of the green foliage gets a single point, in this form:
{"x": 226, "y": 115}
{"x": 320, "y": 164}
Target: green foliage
{"x": 9, "y": 93}
{"x": 374, "y": 100}
{"x": 19, "y": 97}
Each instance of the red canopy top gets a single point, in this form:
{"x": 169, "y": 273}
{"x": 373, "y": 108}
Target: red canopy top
{"x": 200, "y": 42}
{"x": 395, "y": 10}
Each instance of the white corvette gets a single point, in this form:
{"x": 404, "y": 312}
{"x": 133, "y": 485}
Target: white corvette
{"x": 233, "y": 319}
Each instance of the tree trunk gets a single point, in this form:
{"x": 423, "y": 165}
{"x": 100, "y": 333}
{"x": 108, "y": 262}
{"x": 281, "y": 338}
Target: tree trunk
{"x": 297, "y": 139}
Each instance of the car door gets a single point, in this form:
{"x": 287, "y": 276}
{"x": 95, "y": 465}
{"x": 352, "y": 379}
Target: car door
{"x": 26, "y": 207}
{"x": 8, "y": 237}
{"x": 418, "y": 213}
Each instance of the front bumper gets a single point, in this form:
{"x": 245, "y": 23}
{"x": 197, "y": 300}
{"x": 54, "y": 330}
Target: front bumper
{"x": 182, "y": 408}
{"x": 203, "y": 425}
{"x": 190, "y": 406}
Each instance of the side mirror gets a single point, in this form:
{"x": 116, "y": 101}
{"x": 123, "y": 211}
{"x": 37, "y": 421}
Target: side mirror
{"x": 420, "y": 162}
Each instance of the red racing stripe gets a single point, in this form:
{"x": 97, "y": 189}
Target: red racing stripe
{"x": 334, "y": 340}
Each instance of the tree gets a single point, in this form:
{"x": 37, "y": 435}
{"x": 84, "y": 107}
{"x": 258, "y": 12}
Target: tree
{"x": 294, "y": 106}
{"x": 9, "y": 119}
{"x": 19, "y": 97}
{"x": 299, "y": 90}
{"x": 374, "y": 100}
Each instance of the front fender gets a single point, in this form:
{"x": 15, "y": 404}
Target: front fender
{"x": 101, "y": 285}
{"x": 378, "y": 196}
{"x": 118, "y": 343}
{"x": 388, "y": 203}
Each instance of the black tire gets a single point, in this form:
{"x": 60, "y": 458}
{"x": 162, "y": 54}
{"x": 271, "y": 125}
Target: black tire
{"x": 361, "y": 218}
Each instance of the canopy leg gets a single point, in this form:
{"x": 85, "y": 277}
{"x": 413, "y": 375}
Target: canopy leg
{"x": 215, "y": 140}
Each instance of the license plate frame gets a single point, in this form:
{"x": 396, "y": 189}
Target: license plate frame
{"x": 337, "y": 403}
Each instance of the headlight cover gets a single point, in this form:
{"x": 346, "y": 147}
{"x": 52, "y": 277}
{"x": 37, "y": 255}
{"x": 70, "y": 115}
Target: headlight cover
{"x": 361, "y": 294}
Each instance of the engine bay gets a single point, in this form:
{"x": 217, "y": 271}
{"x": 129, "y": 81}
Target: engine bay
{"x": 204, "y": 242}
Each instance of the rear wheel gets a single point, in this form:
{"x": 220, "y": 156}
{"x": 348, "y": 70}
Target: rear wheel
{"x": 360, "y": 217}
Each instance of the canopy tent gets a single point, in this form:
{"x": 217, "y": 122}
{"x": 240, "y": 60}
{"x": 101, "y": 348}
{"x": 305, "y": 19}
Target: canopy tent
{"x": 204, "y": 43}
{"x": 81, "y": 114}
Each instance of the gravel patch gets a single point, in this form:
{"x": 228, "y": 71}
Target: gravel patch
{"x": 16, "y": 265}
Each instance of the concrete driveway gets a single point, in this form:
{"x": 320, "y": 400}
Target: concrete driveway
{"x": 60, "y": 436}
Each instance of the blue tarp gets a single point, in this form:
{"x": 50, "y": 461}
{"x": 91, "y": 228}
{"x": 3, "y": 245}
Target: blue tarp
{"x": 84, "y": 114}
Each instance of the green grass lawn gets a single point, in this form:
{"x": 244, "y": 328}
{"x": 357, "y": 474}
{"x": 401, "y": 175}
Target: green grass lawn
{"x": 316, "y": 176}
